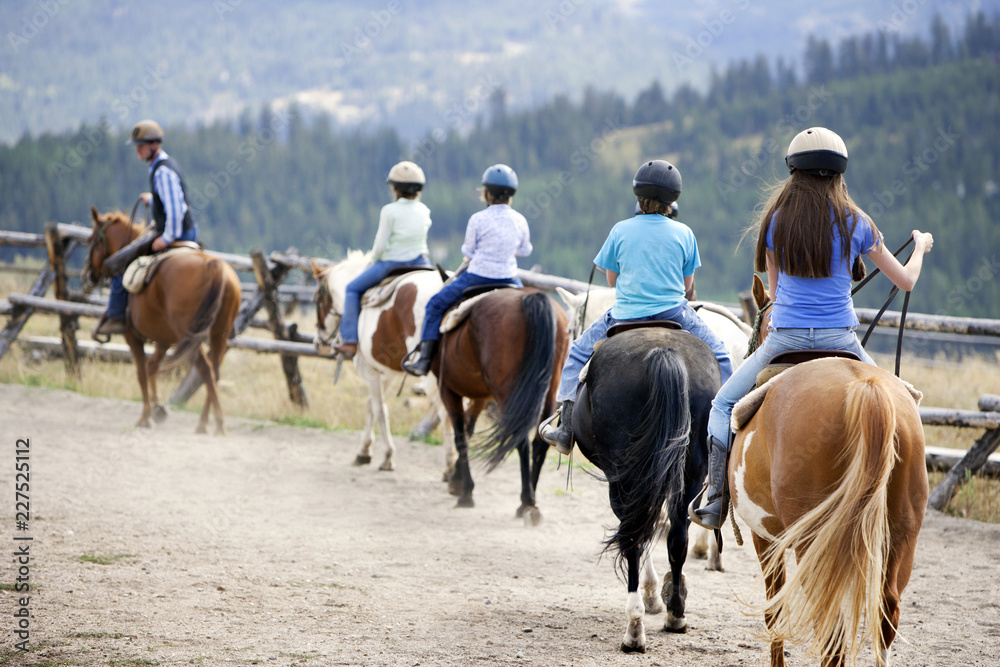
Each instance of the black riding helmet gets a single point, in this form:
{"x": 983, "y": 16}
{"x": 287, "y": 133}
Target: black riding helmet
{"x": 659, "y": 180}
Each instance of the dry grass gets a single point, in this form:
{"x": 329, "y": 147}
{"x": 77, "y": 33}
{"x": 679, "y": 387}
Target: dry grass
{"x": 253, "y": 386}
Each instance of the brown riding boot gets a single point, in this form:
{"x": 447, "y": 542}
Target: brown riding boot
{"x": 108, "y": 326}
{"x": 346, "y": 349}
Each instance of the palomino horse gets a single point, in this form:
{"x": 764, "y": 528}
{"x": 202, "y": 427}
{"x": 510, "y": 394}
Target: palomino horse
{"x": 385, "y": 332}
{"x": 642, "y": 418}
{"x": 582, "y": 309}
{"x": 193, "y": 298}
{"x": 831, "y": 466}
{"x": 510, "y": 348}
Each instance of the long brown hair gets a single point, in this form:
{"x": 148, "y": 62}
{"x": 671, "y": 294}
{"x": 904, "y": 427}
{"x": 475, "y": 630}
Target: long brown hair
{"x": 803, "y": 228}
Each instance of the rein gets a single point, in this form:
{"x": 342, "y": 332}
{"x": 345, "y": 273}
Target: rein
{"x": 892, "y": 295}
{"x": 581, "y": 320}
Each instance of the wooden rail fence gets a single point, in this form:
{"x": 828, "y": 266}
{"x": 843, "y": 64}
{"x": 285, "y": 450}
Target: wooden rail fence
{"x": 267, "y": 291}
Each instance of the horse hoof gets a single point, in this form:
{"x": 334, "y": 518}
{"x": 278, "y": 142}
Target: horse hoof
{"x": 159, "y": 414}
{"x": 361, "y": 460}
{"x": 532, "y": 516}
{"x": 387, "y": 466}
{"x": 455, "y": 488}
{"x": 221, "y": 433}
{"x": 676, "y": 625}
{"x": 144, "y": 423}
{"x": 654, "y": 605}
{"x": 465, "y": 501}
{"x": 639, "y": 648}
{"x": 201, "y": 430}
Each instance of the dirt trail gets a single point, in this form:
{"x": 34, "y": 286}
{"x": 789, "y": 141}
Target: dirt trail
{"x": 268, "y": 548}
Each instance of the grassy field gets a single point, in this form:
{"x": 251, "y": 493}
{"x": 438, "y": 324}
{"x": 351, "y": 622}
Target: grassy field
{"x": 253, "y": 386}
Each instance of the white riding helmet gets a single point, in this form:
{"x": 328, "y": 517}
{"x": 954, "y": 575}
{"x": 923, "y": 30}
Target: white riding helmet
{"x": 817, "y": 151}
{"x": 406, "y": 173}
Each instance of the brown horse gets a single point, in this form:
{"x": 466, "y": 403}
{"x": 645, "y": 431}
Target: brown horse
{"x": 510, "y": 348}
{"x": 193, "y": 298}
{"x": 832, "y": 466}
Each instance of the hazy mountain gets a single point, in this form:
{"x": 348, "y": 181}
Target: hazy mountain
{"x": 413, "y": 65}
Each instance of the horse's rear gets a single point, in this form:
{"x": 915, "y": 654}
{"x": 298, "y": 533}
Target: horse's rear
{"x": 510, "y": 349}
{"x": 832, "y": 466}
{"x": 642, "y": 418}
{"x": 193, "y": 299}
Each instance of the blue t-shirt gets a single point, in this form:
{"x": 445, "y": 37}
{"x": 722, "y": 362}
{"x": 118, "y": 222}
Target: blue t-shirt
{"x": 821, "y": 303}
{"x": 652, "y": 255}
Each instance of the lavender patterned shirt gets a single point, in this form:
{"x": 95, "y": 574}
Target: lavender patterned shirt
{"x": 493, "y": 238}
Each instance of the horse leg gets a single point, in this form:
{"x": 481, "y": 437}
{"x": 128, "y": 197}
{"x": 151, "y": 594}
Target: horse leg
{"x": 450, "y": 453}
{"x": 650, "y": 582}
{"x": 378, "y": 413}
{"x": 773, "y": 584}
{"x": 211, "y": 395}
{"x": 527, "y": 510}
{"x": 139, "y": 357}
{"x": 706, "y": 547}
{"x": 539, "y": 450}
{"x": 152, "y": 370}
{"x": 364, "y": 455}
{"x": 897, "y": 575}
{"x": 461, "y": 483}
{"x": 674, "y": 591}
{"x": 634, "y": 640}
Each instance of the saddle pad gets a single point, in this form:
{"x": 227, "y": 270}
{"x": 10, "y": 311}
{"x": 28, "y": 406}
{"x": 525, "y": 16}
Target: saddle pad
{"x": 457, "y": 314}
{"x": 141, "y": 271}
{"x": 747, "y": 406}
{"x": 376, "y": 296}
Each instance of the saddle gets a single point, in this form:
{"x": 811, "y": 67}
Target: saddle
{"x": 457, "y": 313}
{"x": 376, "y": 296}
{"x": 143, "y": 269}
{"x": 621, "y": 327}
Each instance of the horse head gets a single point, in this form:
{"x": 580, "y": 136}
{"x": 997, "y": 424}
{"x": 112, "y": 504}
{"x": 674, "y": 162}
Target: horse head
{"x": 762, "y": 321}
{"x": 583, "y": 308}
{"x": 112, "y": 231}
{"x": 331, "y": 290}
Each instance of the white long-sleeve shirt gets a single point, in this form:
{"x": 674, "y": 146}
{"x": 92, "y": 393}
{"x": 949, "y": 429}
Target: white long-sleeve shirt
{"x": 494, "y": 238}
{"x": 402, "y": 231}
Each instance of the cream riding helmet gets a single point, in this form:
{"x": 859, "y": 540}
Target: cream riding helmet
{"x": 407, "y": 178}
{"x": 145, "y": 132}
{"x": 817, "y": 151}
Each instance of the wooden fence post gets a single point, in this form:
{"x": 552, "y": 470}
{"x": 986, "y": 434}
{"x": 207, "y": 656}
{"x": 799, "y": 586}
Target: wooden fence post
{"x": 68, "y": 324}
{"x": 20, "y": 314}
{"x": 973, "y": 460}
{"x": 267, "y": 281}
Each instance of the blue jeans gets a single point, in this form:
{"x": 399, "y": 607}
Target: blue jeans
{"x": 583, "y": 347}
{"x": 370, "y": 277}
{"x": 778, "y": 341}
{"x": 118, "y": 298}
{"x": 449, "y": 295}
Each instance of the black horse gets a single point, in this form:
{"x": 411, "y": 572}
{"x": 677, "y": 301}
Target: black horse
{"x": 642, "y": 418}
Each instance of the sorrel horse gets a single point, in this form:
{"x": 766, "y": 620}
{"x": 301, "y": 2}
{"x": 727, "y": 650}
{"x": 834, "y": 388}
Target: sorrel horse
{"x": 831, "y": 465}
{"x": 509, "y": 348}
{"x": 584, "y": 308}
{"x": 642, "y": 418}
{"x": 192, "y": 299}
{"x": 385, "y": 332}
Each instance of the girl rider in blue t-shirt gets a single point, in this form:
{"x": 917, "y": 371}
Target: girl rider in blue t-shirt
{"x": 650, "y": 261}
{"x": 811, "y": 235}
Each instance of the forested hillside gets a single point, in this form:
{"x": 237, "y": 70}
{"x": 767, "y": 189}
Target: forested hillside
{"x": 921, "y": 118}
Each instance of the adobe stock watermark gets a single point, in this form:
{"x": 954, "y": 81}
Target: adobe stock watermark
{"x": 88, "y": 139}
{"x": 712, "y": 29}
{"x": 901, "y": 13}
{"x": 913, "y": 170}
{"x": 774, "y": 143}
{"x": 247, "y": 152}
{"x": 580, "y": 160}
{"x": 30, "y": 26}
{"x": 557, "y": 17}
{"x": 986, "y": 271}
{"x": 456, "y": 115}
{"x": 362, "y": 37}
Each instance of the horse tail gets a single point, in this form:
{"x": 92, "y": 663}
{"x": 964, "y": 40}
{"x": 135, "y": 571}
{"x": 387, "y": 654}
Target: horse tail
{"x": 201, "y": 325}
{"x": 526, "y": 398}
{"x": 651, "y": 470}
{"x": 837, "y": 590}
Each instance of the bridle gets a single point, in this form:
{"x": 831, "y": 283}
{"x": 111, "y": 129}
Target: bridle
{"x": 99, "y": 240}
{"x": 324, "y": 307}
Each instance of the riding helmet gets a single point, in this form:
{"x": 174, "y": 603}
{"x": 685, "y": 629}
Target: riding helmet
{"x": 146, "y": 131}
{"x": 817, "y": 151}
{"x": 406, "y": 173}
{"x": 659, "y": 180}
{"x": 500, "y": 180}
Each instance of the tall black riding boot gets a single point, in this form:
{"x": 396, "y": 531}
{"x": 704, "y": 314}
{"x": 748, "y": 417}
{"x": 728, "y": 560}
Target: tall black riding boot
{"x": 712, "y": 514}
{"x": 561, "y": 438}
{"x": 422, "y": 365}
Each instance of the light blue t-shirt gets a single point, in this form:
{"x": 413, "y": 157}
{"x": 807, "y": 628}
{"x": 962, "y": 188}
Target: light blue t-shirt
{"x": 652, "y": 255}
{"x": 821, "y": 303}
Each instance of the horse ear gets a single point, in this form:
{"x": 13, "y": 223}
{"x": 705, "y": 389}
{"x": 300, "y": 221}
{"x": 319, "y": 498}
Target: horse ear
{"x": 568, "y": 297}
{"x": 759, "y": 293}
{"x": 95, "y": 215}
{"x": 316, "y": 268}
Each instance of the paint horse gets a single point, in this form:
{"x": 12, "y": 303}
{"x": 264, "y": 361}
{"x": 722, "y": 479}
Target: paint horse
{"x": 193, "y": 298}
{"x": 509, "y": 347}
{"x": 642, "y": 417}
{"x": 386, "y": 330}
{"x": 828, "y": 462}
{"x": 582, "y": 309}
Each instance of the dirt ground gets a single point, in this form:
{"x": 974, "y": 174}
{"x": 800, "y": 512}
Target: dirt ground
{"x": 267, "y": 547}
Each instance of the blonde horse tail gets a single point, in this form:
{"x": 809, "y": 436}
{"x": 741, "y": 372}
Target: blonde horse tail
{"x": 842, "y": 545}
{"x": 201, "y": 324}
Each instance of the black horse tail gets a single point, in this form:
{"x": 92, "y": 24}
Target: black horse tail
{"x": 526, "y": 398}
{"x": 651, "y": 470}
{"x": 201, "y": 325}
